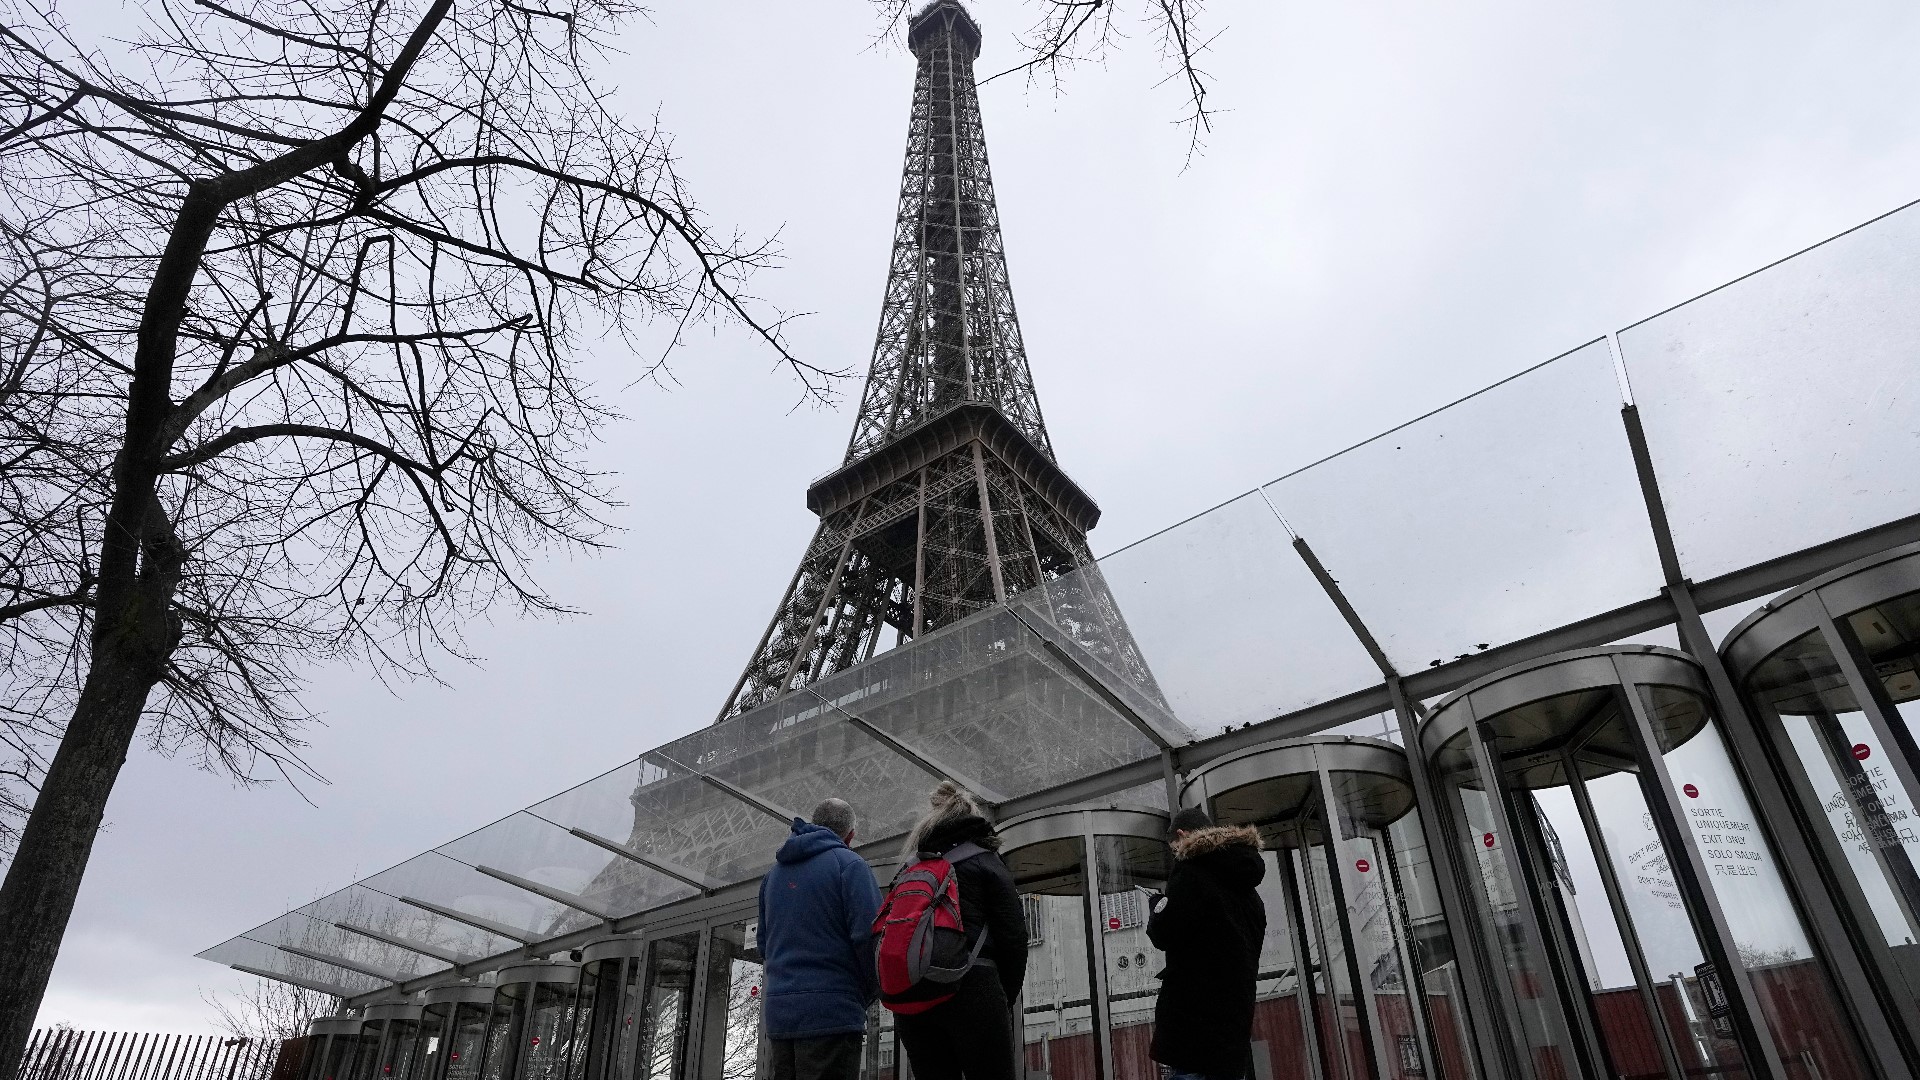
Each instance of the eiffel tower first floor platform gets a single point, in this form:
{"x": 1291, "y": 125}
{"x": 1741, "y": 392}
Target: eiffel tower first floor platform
{"x": 1576, "y": 724}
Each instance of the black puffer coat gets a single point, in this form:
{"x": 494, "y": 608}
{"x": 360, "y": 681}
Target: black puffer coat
{"x": 1210, "y": 925}
{"x": 988, "y": 899}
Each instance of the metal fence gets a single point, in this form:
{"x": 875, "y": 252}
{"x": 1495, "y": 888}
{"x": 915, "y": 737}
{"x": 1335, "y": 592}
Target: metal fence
{"x": 66, "y": 1054}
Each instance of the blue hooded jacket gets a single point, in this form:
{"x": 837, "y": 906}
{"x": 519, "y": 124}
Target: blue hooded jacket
{"x": 817, "y": 907}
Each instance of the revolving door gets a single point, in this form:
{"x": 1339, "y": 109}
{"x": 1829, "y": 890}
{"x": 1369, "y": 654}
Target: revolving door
{"x": 1087, "y": 1007}
{"x": 1357, "y": 974}
{"x": 1831, "y": 672}
{"x": 334, "y": 1048}
{"x": 1635, "y": 917}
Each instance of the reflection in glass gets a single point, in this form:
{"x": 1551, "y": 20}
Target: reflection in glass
{"x": 615, "y": 987}
{"x": 545, "y": 1031}
{"x": 879, "y": 1059}
{"x": 733, "y": 1044}
{"x": 399, "y": 1051}
{"x": 665, "y": 1012}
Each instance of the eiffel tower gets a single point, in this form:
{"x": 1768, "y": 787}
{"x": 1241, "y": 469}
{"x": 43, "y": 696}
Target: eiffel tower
{"x": 949, "y": 500}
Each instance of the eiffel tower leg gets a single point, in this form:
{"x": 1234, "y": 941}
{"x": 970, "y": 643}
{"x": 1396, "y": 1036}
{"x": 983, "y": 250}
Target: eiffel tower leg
{"x": 783, "y": 649}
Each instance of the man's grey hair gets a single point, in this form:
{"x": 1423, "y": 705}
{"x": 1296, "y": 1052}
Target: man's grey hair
{"x": 835, "y": 814}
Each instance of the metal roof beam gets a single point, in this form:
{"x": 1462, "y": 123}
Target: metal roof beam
{"x": 558, "y": 896}
{"x": 305, "y": 984}
{"x": 475, "y": 921}
{"x": 675, "y": 871}
{"x": 773, "y": 810}
{"x": 343, "y": 963}
{"x": 1158, "y": 733}
{"x": 923, "y": 761}
{"x": 398, "y": 942}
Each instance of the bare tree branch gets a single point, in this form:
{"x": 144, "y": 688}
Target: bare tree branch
{"x": 290, "y": 295}
{"x": 1067, "y": 33}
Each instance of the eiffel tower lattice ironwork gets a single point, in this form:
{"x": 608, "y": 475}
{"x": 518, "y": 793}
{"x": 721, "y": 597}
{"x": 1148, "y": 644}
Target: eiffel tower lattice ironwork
{"x": 949, "y": 500}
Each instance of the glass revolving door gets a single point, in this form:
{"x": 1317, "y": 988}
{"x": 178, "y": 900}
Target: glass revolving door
{"x": 395, "y": 1032}
{"x": 1087, "y": 1006}
{"x": 333, "y": 1047}
{"x": 1831, "y": 671}
{"x": 613, "y": 982}
{"x": 547, "y": 1019}
{"x": 1357, "y": 975}
{"x": 1633, "y": 909}
{"x": 454, "y": 1023}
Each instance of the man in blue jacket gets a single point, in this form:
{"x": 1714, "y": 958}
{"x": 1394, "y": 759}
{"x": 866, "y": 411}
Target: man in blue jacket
{"x": 817, "y": 907}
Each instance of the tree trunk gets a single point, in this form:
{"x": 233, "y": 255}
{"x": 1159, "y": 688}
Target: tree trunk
{"x": 45, "y": 876}
{"x": 134, "y": 633}
{"x": 50, "y": 861}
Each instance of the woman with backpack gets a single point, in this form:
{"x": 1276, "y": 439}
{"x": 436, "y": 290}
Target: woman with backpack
{"x": 970, "y": 1034}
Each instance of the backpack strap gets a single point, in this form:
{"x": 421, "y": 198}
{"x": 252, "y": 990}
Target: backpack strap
{"x": 963, "y": 851}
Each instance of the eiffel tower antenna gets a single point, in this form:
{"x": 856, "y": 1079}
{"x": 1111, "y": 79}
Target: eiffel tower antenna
{"x": 949, "y": 500}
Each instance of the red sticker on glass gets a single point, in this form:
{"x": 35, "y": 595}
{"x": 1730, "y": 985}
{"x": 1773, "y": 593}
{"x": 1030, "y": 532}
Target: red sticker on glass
{"x": 1363, "y": 866}
{"x": 1861, "y": 751}
{"x": 1692, "y": 792}
{"x": 1113, "y": 923}
{"x": 1487, "y": 839}
{"x": 536, "y": 1040}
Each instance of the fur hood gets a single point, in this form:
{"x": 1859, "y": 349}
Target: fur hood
{"x": 1215, "y": 838}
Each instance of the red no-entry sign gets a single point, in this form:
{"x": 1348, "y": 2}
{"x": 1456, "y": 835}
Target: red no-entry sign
{"x": 1692, "y": 792}
{"x": 1113, "y": 923}
{"x": 1363, "y": 866}
{"x": 1861, "y": 751}
{"x": 1487, "y": 840}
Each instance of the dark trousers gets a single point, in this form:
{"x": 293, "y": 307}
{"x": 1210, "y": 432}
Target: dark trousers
{"x": 829, "y": 1057}
{"x": 969, "y": 1035}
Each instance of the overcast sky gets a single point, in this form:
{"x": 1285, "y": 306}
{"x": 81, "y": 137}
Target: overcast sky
{"x": 1402, "y": 203}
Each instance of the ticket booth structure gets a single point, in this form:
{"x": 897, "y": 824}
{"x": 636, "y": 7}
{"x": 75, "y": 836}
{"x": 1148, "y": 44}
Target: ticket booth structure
{"x": 1084, "y": 874}
{"x": 1634, "y": 913}
{"x": 1831, "y": 674}
{"x": 1357, "y": 978}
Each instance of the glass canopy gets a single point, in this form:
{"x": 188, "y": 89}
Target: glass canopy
{"x": 1502, "y": 527}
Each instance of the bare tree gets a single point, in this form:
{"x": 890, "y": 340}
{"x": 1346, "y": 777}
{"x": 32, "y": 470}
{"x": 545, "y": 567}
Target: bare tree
{"x": 263, "y": 1010}
{"x": 1066, "y": 33}
{"x": 289, "y": 296}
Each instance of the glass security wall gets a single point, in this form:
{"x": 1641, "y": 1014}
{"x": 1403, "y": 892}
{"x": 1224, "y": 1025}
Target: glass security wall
{"x": 1621, "y": 877}
{"x": 1506, "y": 526}
{"x": 1358, "y": 978}
{"x": 1832, "y": 673}
{"x": 1087, "y": 1006}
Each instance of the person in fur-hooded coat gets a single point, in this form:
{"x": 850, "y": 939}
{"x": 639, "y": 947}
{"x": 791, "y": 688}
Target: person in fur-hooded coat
{"x": 1210, "y": 923}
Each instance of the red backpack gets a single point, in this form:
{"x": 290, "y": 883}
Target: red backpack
{"x": 919, "y": 944}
